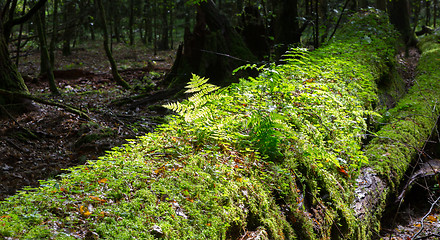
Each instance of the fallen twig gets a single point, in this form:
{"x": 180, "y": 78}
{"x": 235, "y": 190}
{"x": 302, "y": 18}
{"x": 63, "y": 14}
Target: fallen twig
{"x": 423, "y": 219}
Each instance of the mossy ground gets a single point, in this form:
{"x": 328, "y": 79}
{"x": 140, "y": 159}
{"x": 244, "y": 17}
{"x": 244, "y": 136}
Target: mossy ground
{"x": 276, "y": 154}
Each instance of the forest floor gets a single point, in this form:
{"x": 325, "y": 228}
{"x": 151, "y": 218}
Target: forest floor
{"x": 40, "y": 144}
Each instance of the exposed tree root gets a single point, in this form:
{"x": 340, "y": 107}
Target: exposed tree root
{"x": 47, "y": 102}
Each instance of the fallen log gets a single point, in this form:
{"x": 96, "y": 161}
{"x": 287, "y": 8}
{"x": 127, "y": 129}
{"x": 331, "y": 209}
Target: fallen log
{"x": 399, "y": 143}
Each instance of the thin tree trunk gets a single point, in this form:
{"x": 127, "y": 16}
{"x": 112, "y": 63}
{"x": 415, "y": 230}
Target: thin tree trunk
{"x": 131, "y": 23}
{"x": 17, "y": 59}
{"x": 115, "y": 72}
{"x": 339, "y": 19}
{"x": 45, "y": 53}
{"x": 427, "y": 12}
{"x": 171, "y": 28}
{"x": 164, "y": 42}
{"x": 53, "y": 40}
{"x": 155, "y": 27}
{"x": 316, "y": 43}
{"x": 69, "y": 25}
{"x": 435, "y": 13}
{"x": 44, "y": 62}
{"x": 116, "y": 18}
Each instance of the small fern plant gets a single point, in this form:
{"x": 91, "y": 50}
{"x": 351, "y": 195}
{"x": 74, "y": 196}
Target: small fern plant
{"x": 196, "y": 106}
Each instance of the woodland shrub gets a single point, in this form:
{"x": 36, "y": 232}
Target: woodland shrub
{"x": 276, "y": 154}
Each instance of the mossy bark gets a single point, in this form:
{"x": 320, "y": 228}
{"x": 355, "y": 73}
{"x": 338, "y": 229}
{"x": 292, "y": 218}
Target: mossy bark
{"x": 10, "y": 78}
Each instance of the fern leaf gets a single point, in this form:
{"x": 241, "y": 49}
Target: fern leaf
{"x": 195, "y": 83}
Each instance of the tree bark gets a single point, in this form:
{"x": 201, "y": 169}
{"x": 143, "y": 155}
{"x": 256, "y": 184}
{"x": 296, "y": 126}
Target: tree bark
{"x": 399, "y": 16}
{"x": 381, "y": 5}
{"x": 164, "y": 41}
{"x": 131, "y": 23}
{"x": 435, "y": 13}
{"x": 69, "y": 25}
{"x": 17, "y": 56}
{"x": 53, "y": 39}
{"x": 40, "y": 18}
{"x": 115, "y": 72}
{"x": 45, "y": 54}
{"x": 254, "y": 32}
{"x": 10, "y": 78}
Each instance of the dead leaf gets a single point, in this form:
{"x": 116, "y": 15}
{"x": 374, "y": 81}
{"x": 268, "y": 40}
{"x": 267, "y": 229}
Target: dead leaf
{"x": 431, "y": 218}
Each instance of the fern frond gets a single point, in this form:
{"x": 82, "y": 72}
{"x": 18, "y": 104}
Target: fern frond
{"x": 196, "y": 83}
{"x": 195, "y": 107}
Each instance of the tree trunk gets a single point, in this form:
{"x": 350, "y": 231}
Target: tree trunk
{"x": 381, "y": 5}
{"x": 41, "y": 16}
{"x": 427, "y": 12}
{"x": 164, "y": 41}
{"x": 287, "y": 30}
{"x": 69, "y": 25}
{"x": 115, "y": 11}
{"x": 399, "y": 16}
{"x": 10, "y": 78}
{"x": 155, "y": 27}
{"x": 212, "y": 50}
{"x": 115, "y": 72}
{"x": 17, "y": 56}
{"x": 45, "y": 54}
{"x": 53, "y": 39}
{"x": 323, "y": 15}
{"x": 131, "y": 23}
{"x": 254, "y": 32}
{"x": 171, "y": 27}
{"x": 435, "y": 13}
{"x": 316, "y": 42}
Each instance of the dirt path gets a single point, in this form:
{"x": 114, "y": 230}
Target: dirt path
{"x": 40, "y": 144}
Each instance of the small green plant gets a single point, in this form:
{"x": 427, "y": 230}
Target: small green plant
{"x": 196, "y": 106}
{"x": 264, "y": 136}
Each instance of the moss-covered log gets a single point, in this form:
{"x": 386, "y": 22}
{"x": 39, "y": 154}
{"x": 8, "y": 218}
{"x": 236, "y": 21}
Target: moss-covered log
{"x": 275, "y": 156}
{"x": 398, "y": 143}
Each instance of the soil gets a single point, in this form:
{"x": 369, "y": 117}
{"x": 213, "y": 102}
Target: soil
{"x": 41, "y": 144}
